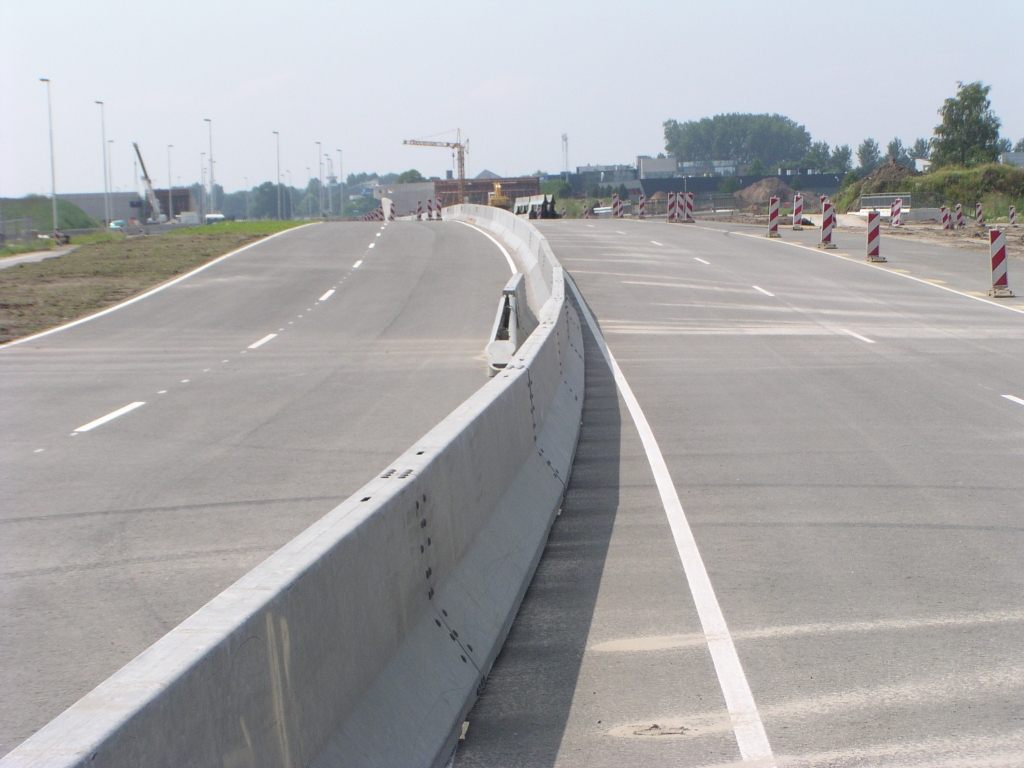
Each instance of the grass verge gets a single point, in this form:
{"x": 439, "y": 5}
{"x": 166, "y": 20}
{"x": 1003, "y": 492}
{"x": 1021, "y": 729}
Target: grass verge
{"x": 36, "y": 297}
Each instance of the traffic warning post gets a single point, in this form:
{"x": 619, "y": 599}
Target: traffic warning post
{"x": 874, "y": 237}
{"x": 1000, "y": 279}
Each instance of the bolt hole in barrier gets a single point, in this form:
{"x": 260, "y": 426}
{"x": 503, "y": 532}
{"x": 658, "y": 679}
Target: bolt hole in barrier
{"x": 365, "y": 640}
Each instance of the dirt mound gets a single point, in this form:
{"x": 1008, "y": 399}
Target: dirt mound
{"x": 888, "y": 172}
{"x": 760, "y": 192}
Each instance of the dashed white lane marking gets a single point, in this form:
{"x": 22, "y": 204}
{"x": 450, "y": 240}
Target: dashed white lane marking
{"x": 110, "y": 416}
{"x": 696, "y": 258}
{"x": 184, "y": 381}
{"x": 865, "y": 339}
{"x": 590, "y": 225}
{"x": 162, "y": 392}
{"x": 38, "y": 450}
{"x": 619, "y": 231}
{"x": 327, "y": 295}
{"x": 377, "y": 235}
{"x": 1014, "y": 399}
{"x": 762, "y": 290}
{"x": 356, "y": 265}
{"x": 263, "y": 341}
{"x": 371, "y": 245}
{"x": 656, "y": 242}
{"x": 739, "y": 700}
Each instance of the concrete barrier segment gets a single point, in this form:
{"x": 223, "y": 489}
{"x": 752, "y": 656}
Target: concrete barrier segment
{"x": 364, "y": 640}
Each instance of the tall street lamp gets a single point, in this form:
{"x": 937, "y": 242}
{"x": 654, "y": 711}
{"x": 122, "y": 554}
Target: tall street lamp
{"x": 209, "y": 122}
{"x": 278, "y": 137}
{"x": 320, "y": 178}
{"x": 110, "y": 170}
{"x": 53, "y": 170}
{"x": 246, "y": 180}
{"x": 106, "y": 187}
{"x": 202, "y": 187}
{"x": 170, "y": 187}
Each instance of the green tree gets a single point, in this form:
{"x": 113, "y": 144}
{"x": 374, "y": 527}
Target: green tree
{"x": 1019, "y": 146}
{"x": 921, "y": 149}
{"x": 412, "y": 176}
{"x": 756, "y": 168}
{"x": 969, "y": 132}
{"x": 728, "y": 185}
{"x": 868, "y": 156}
{"x": 1005, "y": 145}
{"x": 557, "y": 187}
{"x": 359, "y": 178}
{"x": 772, "y": 139}
{"x": 819, "y": 156}
{"x": 842, "y": 159}
{"x": 896, "y": 152}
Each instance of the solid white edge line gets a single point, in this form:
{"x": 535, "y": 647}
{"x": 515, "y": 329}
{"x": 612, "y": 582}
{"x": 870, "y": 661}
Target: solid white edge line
{"x": 356, "y": 265}
{"x": 327, "y": 295}
{"x": 488, "y": 235}
{"x": 876, "y": 266}
{"x": 762, "y": 290}
{"x": 151, "y": 291}
{"x": 110, "y": 416}
{"x": 739, "y": 700}
{"x": 1014, "y": 399}
{"x": 865, "y": 339}
{"x": 702, "y": 261}
{"x": 656, "y": 242}
{"x": 262, "y": 341}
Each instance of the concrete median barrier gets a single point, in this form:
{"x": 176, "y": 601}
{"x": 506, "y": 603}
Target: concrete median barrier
{"x": 364, "y": 641}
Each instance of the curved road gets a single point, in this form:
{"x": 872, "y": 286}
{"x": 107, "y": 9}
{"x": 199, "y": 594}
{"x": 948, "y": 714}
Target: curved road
{"x": 112, "y": 535}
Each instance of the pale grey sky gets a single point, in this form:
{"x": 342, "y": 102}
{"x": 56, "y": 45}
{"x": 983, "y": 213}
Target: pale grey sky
{"x": 514, "y": 76}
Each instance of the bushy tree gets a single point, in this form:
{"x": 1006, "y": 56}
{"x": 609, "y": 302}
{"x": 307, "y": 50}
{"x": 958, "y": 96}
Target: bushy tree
{"x": 896, "y": 152}
{"x": 921, "y": 149}
{"x": 412, "y": 176}
{"x": 773, "y": 139}
{"x": 842, "y": 159}
{"x": 868, "y": 156}
{"x": 969, "y": 132}
{"x": 818, "y": 156}
{"x": 359, "y": 178}
{"x": 1005, "y": 145}
{"x": 1019, "y": 146}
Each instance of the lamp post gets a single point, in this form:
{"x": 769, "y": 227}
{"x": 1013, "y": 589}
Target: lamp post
{"x": 320, "y": 178}
{"x": 278, "y": 137}
{"x": 202, "y": 187}
{"x": 110, "y": 171}
{"x": 341, "y": 186}
{"x": 209, "y": 123}
{"x": 53, "y": 170}
{"x": 106, "y": 186}
{"x": 246, "y": 180}
{"x": 170, "y": 187}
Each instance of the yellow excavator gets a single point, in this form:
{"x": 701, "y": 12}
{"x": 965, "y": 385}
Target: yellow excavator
{"x": 497, "y": 199}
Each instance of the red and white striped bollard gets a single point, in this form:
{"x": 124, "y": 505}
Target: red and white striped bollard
{"x": 642, "y": 206}
{"x": 688, "y": 208}
{"x": 979, "y": 216}
{"x": 896, "y": 217}
{"x": 773, "y": 216}
{"x": 828, "y": 222}
{"x": 958, "y": 216}
{"x": 1013, "y": 216}
{"x": 875, "y": 237}
{"x": 673, "y": 206}
{"x": 947, "y": 219}
{"x": 798, "y": 212}
{"x": 1000, "y": 279}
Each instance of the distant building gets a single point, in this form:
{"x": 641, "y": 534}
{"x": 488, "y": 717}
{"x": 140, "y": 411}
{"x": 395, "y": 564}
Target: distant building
{"x": 477, "y": 190}
{"x": 1012, "y": 158}
{"x": 657, "y": 167}
{"x": 593, "y": 175}
{"x": 708, "y": 167}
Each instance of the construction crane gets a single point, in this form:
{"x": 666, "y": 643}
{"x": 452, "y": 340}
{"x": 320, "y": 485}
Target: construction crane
{"x": 461, "y": 147}
{"x": 154, "y": 204}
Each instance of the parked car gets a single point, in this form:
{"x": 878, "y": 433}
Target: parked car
{"x": 119, "y": 224}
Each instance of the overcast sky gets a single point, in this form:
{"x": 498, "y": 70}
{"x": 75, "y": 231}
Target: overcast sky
{"x": 514, "y": 76}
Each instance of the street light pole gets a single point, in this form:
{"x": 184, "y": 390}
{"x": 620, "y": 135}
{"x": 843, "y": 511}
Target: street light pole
{"x": 278, "y": 136}
{"x": 341, "y": 186}
{"x": 209, "y": 122}
{"x": 53, "y": 170}
{"x": 246, "y": 180}
{"x": 320, "y": 178}
{"x": 110, "y": 171}
{"x": 170, "y": 187}
{"x": 106, "y": 187}
{"x": 202, "y": 187}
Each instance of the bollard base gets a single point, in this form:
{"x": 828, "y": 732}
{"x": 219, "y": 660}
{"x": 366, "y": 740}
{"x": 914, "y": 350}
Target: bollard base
{"x": 877, "y": 259}
{"x": 1001, "y": 293}
{"x": 797, "y": 228}
{"x": 773, "y": 234}
{"x": 827, "y": 246}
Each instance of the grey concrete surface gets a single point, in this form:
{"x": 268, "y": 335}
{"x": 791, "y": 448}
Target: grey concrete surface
{"x": 34, "y": 256}
{"x": 111, "y": 537}
{"x": 857, "y": 503}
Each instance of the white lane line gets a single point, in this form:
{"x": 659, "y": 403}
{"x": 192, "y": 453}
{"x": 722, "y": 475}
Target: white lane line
{"x": 501, "y": 247}
{"x": 184, "y": 381}
{"x": 1014, "y": 399}
{"x": 162, "y": 392}
{"x": 656, "y": 242}
{"x": 38, "y": 450}
{"x": 327, "y": 295}
{"x": 619, "y": 231}
{"x": 883, "y": 269}
{"x": 746, "y": 722}
{"x": 762, "y": 290}
{"x": 377, "y": 235}
{"x": 865, "y": 339}
{"x": 263, "y": 341}
{"x": 371, "y": 245}
{"x": 110, "y": 416}
{"x": 590, "y": 225}
{"x": 159, "y": 288}
{"x": 695, "y": 258}
{"x": 356, "y": 265}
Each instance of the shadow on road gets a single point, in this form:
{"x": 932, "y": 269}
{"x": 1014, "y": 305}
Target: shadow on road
{"x": 521, "y": 716}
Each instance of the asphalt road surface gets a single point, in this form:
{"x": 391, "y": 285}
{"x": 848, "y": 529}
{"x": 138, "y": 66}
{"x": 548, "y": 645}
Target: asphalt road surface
{"x": 253, "y": 397}
{"x": 848, "y": 447}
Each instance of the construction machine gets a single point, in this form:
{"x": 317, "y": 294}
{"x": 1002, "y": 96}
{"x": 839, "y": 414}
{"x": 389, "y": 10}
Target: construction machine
{"x": 461, "y": 146}
{"x": 157, "y": 215}
{"x": 497, "y": 198}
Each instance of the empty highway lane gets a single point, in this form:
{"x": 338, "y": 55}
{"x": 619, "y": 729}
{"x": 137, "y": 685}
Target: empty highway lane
{"x": 845, "y": 448}
{"x": 153, "y": 455}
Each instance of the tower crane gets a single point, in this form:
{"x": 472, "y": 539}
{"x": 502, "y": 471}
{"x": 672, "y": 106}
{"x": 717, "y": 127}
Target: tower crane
{"x": 154, "y": 204}
{"x": 461, "y": 147}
